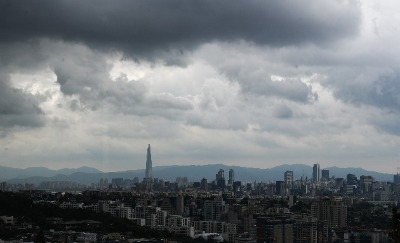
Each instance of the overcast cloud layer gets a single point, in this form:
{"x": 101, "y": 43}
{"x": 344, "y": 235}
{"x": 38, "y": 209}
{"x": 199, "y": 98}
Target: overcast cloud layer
{"x": 255, "y": 83}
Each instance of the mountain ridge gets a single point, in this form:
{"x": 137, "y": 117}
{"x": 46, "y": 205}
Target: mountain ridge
{"x": 88, "y": 175}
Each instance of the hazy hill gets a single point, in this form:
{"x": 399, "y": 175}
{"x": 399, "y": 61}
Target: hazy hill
{"x": 342, "y": 172}
{"x": 7, "y": 173}
{"x": 87, "y": 175}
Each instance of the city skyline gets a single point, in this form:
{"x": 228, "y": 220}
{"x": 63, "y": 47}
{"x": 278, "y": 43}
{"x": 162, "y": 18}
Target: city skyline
{"x": 247, "y": 83}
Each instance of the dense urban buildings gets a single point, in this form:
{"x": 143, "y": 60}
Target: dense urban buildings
{"x": 321, "y": 209}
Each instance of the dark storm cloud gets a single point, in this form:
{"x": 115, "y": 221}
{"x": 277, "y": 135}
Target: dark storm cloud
{"x": 85, "y": 76}
{"x": 18, "y": 108}
{"x": 379, "y": 90}
{"x": 143, "y": 26}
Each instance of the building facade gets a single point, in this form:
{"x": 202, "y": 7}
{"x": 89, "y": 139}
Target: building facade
{"x": 316, "y": 172}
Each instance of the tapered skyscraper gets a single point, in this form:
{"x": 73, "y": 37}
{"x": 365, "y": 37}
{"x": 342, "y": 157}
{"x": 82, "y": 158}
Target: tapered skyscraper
{"x": 316, "y": 172}
{"x": 149, "y": 164}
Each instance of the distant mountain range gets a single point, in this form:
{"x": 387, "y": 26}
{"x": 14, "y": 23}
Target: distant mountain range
{"x": 88, "y": 175}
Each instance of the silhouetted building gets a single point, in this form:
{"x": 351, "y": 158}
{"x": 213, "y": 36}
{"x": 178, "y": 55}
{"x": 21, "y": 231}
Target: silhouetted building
{"x": 334, "y": 212}
{"x": 231, "y": 177}
{"x": 280, "y": 188}
{"x": 220, "y": 179}
{"x": 325, "y": 175}
{"x": 214, "y": 209}
{"x": 148, "y": 180}
{"x": 288, "y": 178}
{"x": 397, "y": 186}
{"x": 366, "y": 183}
{"x": 182, "y": 181}
{"x": 275, "y": 230}
{"x": 237, "y": 185}
{"x": 305, "y": 231}
{"x": 308, "y": 229}
{"x": 396, "y": 179}
{"x": 351, "y": 179}
{"x": 316, "y": 172}
{"x": 149, "y": 164}
{"x": 180, "y": 205}
{"x": 204, "y": 184}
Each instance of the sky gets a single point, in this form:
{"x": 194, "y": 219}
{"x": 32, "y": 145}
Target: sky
{"x": 254, "y": 83}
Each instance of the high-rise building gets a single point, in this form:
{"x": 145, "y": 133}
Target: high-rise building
{"x": 220, "y": 178}
{"x": 231, "y": 177}
{"x": 325, "y": 175}
{"x": 149, "y": 164}
{"x": 204, "y": 184}
{"x": 397, "y": 186}
{"x": 148, "y": 179}
{"x": 316, "y": 172}
{"x": 220, "y": 174}
{"x": 366, "y": 183}
{"x": 275, "y": 230}
{"x": 180, "y": 205}
{"x": 288, "y": 178}
{"x": 237, "y": 185}
{"x": 332, "y": 211}
{"x": 214, "y": 209}
{"x": 396, "y": 179}
{"x": 280, "y": 188}
{"x": 351, "y": 179}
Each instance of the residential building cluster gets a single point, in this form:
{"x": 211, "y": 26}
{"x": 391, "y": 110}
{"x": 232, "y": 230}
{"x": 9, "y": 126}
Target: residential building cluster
{"x": 302, "y": 210}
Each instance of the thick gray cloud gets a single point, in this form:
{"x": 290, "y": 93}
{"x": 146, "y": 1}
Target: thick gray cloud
{"x": 387, "y": 122}
{"x": 283, "y": 112}
{"x": 146, "y": 26}
{"x": 290, "y": 89}
{"x": 85, "y": 76}
{"x": 269, "y": 81}
{"x": 369, "y": 87}
{"x": 18, "y": 108}
{"x": 376, "y": 89}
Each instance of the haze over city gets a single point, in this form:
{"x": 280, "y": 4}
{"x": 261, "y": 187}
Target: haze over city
{"x": 247, "y": 83}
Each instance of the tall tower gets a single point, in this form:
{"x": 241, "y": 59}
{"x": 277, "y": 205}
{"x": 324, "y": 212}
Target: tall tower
{"x": 149, "y": 164}
{"x": 220, "y": 178}
{"x": 148, "y": 179}
{"x": 288, "y": 178}
{"x": 231, "y": 177}
{"x": 316, "y": 172}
